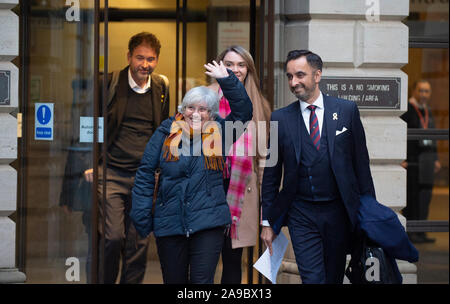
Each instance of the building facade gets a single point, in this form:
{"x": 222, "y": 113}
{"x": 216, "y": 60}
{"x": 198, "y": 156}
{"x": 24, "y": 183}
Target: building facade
{"x": 366, "y": 40}
{"x": 9, "y": 50}
{"x": 373, "y": 51}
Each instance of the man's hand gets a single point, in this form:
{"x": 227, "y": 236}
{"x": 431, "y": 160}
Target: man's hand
{"x": 89, "y": 175}
{"x": 267, "y": 236}
{"x": 216, "y": 70}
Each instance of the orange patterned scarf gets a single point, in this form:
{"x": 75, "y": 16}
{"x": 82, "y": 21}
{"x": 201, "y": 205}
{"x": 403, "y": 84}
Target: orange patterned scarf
{"x": 211, "y": 142}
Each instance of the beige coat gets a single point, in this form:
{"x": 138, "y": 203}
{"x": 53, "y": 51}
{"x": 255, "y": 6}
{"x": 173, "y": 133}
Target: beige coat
{"x": 247, "y": 231}
{"x": 248, "y": 228}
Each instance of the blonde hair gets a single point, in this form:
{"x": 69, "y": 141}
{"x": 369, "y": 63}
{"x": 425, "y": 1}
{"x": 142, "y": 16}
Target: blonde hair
{"x": 261, "y": 107}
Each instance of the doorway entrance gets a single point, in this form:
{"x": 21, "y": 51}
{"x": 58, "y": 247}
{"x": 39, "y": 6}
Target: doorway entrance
{"x": 65, "y": 49}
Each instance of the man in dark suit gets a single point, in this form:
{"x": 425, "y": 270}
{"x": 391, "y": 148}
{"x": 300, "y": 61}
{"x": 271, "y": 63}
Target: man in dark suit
{"x": 324, "y": 163}
{"x": 138, "y": 103}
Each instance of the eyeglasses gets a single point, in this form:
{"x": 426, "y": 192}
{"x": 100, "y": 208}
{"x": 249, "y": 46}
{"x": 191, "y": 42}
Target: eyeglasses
{"x": 200, "y": 109}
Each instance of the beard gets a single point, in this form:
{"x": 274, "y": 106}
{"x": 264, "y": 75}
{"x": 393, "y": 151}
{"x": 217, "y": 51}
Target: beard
{"x": 307, "y": 92}
{"x": 141, "y": 73}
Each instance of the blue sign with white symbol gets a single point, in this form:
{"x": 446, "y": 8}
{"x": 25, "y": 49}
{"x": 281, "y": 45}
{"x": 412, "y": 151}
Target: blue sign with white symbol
{"x": 43, "y": 115}
{"x": 43, "y": 121}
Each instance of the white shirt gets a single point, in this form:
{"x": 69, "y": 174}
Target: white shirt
{"x": 136, "y": 87}
{"x": 306, "y": 113}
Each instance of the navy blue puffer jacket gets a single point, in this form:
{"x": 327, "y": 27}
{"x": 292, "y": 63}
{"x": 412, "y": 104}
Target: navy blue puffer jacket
{"x": 190, "y": 197}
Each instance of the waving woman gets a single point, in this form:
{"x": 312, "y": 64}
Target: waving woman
{"x": 191, "y": 211}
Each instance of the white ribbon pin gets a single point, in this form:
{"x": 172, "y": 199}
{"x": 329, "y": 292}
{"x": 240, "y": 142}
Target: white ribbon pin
{"x": 335, "y": 116}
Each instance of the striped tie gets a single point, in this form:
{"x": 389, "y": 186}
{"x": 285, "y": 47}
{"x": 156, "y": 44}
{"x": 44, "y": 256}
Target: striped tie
{"x": 314, "y": 132}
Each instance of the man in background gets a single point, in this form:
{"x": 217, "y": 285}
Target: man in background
{"x": 137, "y": 103}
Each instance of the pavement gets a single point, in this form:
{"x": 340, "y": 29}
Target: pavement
{"x": 432, "y": 267}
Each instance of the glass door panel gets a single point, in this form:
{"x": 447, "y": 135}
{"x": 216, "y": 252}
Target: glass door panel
{"x": 59, "y": 106}
{"x": 184, "y": 51}
{"x": 56, "y": 200}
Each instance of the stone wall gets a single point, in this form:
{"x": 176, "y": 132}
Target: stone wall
{"x": 9, "y": 75}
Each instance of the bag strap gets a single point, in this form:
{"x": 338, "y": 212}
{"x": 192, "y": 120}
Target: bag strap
{"x": 166, "y": 86}
{"x": 112, "y": 86}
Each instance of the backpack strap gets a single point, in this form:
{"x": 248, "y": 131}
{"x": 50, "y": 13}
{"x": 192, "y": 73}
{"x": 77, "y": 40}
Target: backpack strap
{"x": 166, "y": 86}
{"x": 112, "y": 86}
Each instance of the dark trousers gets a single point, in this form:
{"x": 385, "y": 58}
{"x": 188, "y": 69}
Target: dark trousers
{"x": 419, "y": 193}
{"x": 320, "y": 235}
{"x": 231, "y": 258}
{"x": 231, "y": 262}
{"x": 121, "y": 238}
{"x": 190, "y": 259}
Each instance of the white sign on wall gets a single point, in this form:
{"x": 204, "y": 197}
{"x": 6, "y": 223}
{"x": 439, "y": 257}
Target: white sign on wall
{"x": 233, "y": 33}
{"x": 87, "y": 129}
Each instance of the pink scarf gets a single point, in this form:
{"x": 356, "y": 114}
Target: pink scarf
{"x": 240, "y": 171}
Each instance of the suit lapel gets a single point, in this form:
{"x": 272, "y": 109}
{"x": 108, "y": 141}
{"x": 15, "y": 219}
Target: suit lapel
{"x": 294, "y": 127}
{"x": 331, "y": 110}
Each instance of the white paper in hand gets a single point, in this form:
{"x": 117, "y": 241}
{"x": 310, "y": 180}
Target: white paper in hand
{"x": 268, "y": 265}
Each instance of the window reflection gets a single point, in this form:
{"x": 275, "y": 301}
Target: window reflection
{"x": 428, "y": 163}
{"x": 56, "y": 204}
